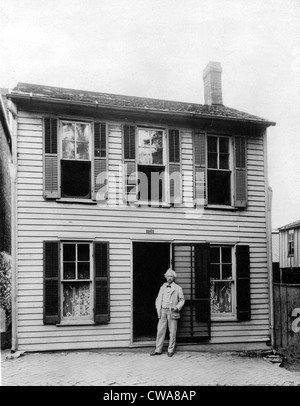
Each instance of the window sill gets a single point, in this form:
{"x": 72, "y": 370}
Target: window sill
{"x": 76, "y": 200}
{"x": 74, "y": 323}
{"x": 223, "y": 318}
{"x": 152, "y": 204}
{"x": 220, "y": 207}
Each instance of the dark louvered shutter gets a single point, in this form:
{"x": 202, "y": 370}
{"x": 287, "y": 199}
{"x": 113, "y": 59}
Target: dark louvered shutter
{"x": 129, "y": 163}
{"x": 51, "y": 177}
{"x": 101, "y": 269}
{"x": 175, "y": 168}
{"x": 202, "y": 283}
{"x": 243, "y": 282}
{"x": 200, "y": 168}
{"x": 51, "y": 282}
{"x": 100, "y": 162}
{"x": 240, "y": 172}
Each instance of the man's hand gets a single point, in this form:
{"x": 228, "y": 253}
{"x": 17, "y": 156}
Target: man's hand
{"x": 174, "y": 309}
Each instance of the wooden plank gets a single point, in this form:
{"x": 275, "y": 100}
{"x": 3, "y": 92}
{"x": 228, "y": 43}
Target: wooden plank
{"x": 284, "y": 316}
{"x": 293, "y": 302}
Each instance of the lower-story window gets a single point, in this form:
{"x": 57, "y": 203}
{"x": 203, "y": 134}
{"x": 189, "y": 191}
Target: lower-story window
{"x": 222, "y": 287}
{"x": 76, "y": 282}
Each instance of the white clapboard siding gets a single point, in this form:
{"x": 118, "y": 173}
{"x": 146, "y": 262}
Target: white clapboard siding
{"x": 40, "y": 220}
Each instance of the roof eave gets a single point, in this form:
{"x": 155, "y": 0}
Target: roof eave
{"x": 26, "y": 97}
{"x": 290, "y": 226}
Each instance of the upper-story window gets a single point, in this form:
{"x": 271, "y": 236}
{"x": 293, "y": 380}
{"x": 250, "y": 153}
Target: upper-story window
{"x": 75, "y": 159}
{"x": 151, "y": 165}
{"x": 218, "y": 170}
{"x": 291, "y": 242}
{"x": 75, "y": 156}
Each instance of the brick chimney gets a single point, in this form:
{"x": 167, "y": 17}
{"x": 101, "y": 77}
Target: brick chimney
{"x": 212, "y": 77}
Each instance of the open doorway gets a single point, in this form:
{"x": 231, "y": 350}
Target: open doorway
{"x": 150, "y": 262}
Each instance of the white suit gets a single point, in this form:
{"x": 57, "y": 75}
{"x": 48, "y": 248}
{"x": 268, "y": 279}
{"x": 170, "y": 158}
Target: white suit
{"x": 176, "y": 300}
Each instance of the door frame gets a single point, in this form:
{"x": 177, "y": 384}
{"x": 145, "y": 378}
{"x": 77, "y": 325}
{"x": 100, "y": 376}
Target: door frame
{"x": 146, "y": 241}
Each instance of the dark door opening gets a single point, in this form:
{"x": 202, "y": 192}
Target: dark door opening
{"x": 150, "y": 262}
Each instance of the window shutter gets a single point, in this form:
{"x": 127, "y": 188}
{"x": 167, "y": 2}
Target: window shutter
{"x": 101, "y": 274}
{"x": 51, "y": 282}
{"x": 240, "y": 156}
{"x": 243, "y": 282}
{"x": 175, "y": 168}
{"x": 200, "y": 168}
{"x": 129, "y": 163}
{"x": 202, "y": 283}
{"x": 51, "y": 178}
{"x": 100, "y": 163}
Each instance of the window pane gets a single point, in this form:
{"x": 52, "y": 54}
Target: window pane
{"x": 223, "y": 145}
{"x": 76, "y": 299}
{"x": 157, "y": 157}
{"x": 156, "y": 140}
{"x": 219, "y": 187}
{"x": 226, "y": 255}
{"x": 224, "y": 161}
{"x": 82, "y": 151}
{"x": 157, "y": 148}
{"x": 144, "y": 156}
{"x": 214, "y": 271}
{"x": 68, "y": 149}
{"x": 82, "y": 141}
{"x": 212, "y": 144}
{"x": 212, "y": 160}
{"x": 83, "y": 252}
{"x": 68, "y": 141}
{"x": 227, "y": 271}
{"x": 215, "y": 255}
{"x": 83, "y": 270}
{"x": 221, "y": 297}
{"x": 76, "y": 179}
{"x": 69, "y": 252}
{"x": 144, "y": 138}
{"x": 83, "y": 132}
{"x": 69, "y": 270}
{"x": 68, "y": 131}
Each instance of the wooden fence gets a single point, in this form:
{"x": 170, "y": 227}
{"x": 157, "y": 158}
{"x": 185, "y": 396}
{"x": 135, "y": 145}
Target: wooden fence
{"x": 286, "y": 300}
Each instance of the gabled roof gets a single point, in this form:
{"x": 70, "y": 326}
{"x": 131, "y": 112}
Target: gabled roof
{"x": 56, "y": 94}
{"x": 289, "y": 226}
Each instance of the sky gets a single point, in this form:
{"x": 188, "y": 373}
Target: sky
{"x": 158, "y": 49}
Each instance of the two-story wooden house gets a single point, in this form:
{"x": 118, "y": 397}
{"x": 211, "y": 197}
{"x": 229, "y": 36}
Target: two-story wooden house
{"x": 111, "y": 191}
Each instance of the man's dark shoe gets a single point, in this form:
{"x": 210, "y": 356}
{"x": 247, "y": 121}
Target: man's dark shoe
{"x": 170, "y": 354}
{"x": 155, "y": 353}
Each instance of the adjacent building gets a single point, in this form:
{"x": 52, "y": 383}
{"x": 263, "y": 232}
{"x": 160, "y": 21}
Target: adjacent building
{"x": 289, "y": 253}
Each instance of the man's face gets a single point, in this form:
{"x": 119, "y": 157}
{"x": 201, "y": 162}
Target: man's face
{"x": 170, "y": 277}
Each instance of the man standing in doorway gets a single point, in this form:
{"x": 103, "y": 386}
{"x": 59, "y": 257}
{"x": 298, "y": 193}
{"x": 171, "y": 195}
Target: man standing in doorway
{"x": 168, "y": 304}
